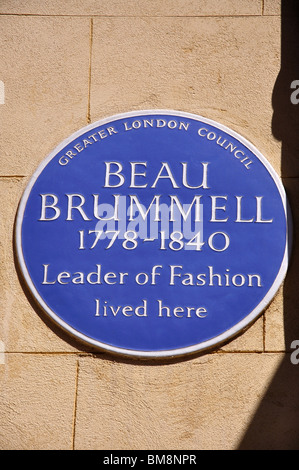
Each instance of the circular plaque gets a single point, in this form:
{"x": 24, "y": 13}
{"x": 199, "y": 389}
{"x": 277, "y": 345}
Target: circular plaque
{"x": 154, "y": 233}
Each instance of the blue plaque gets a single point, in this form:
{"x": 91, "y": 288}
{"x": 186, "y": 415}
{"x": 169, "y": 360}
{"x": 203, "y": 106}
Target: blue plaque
{"x": 153, "y": 234}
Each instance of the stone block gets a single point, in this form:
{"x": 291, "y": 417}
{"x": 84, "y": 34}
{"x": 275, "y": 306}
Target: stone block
{"x": 37, "y": 402}
{"x": 133, "y": 7}
{"x": 204, "y": 66}
{"x": 45, "y": 71}
{"x": 204, "y": 403}
{"x": 272, "y": 7}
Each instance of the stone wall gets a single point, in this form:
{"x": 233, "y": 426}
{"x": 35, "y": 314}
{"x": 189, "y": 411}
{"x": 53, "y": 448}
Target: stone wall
{"x": 67, "y": 64}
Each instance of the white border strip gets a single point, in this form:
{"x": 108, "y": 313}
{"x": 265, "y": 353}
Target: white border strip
{"x": 173, "y": 352}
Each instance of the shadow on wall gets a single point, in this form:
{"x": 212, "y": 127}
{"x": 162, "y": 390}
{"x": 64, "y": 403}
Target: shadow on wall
{"x": 275, "y": 425}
